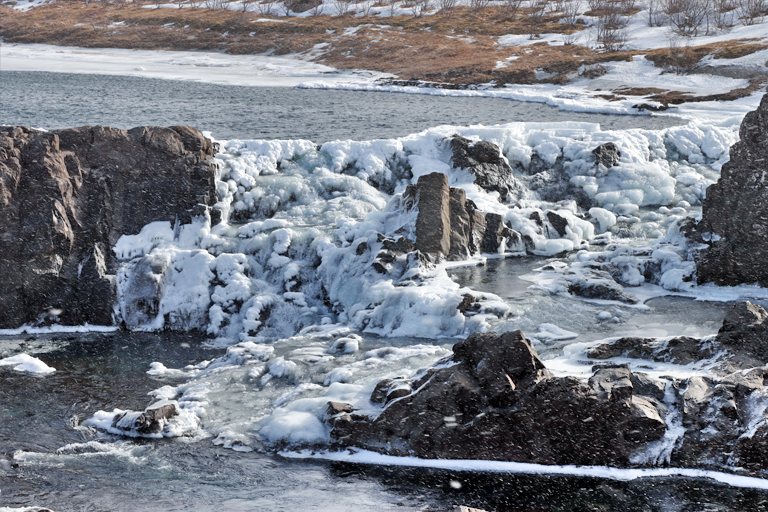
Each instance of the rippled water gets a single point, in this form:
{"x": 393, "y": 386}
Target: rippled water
{"x": 61, "y": 465}
{"x": 60, "y": 100}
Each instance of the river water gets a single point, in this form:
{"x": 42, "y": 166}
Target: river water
{"x": 47, "y": 458}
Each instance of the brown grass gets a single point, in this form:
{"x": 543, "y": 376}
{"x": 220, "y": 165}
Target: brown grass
{"x": 455, "y": 50}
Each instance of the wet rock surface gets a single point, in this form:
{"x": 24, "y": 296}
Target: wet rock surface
{"x": 734, "y": 221}
{"x": 66, "y": 196}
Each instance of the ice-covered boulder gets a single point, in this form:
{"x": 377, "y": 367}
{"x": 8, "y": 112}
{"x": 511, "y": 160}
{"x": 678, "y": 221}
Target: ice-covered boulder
{"x": 67, "y": 196}
{"x": 735, "y": 211}
{"x": 491, "y": 170}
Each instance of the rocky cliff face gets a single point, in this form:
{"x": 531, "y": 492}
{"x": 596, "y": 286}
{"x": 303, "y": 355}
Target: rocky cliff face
{"x": 735, "y": 212}
{"x": 66, "y": 197}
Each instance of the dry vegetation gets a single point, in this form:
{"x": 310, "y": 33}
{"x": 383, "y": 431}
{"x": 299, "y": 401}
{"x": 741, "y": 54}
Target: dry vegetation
{"x": 457, "y": 47}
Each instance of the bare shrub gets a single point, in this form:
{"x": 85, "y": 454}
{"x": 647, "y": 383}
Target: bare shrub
{"x": 365, "y": 6}
{"x": 752, "y": 11}
{"x": 417, "y": 7}
{"x": 342, "y": 6}
{"x": 446, "y": 6}
{"x": 628, "y": 6}
{"x": 267, "y": 8}
{"x": 478, "y": 5}
{"x": 513, "y": 6}
{"x": 571, "y": 12}
{"x": 245, "y": 5}
{"x": 722, "y": 13}
{"x": 655, "y": 13}
{"x": 686, "y": 16}
{"x": 536, "y": 17}
{"x": 596, "y": 5}
{"x": 611, "y": 29}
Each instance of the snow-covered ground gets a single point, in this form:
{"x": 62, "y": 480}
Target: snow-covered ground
{"x": 210, "y": 67}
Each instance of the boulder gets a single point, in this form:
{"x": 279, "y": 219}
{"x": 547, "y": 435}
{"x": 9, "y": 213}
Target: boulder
{"x": 607, "y": 154}
{"x": 598, "y": 284}
{"x": 734, "y": 220}
{"x": 66, "y": 197}
{"x": 431, "y": 195}
{"x": 745, "y": 329}
{"x": 494, "y": 399}
{"x": 150, "y": 422}
{"x": 448, "y": 225}
{"x": 485, "y": 161}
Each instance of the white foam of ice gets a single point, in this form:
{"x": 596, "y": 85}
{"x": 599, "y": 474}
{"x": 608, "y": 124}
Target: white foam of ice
{"x": 610, "y": 473}
{"x": 27, "y": 364}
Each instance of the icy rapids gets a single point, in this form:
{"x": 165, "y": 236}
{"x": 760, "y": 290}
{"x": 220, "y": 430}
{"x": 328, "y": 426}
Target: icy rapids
{"x": 285, "y": 283}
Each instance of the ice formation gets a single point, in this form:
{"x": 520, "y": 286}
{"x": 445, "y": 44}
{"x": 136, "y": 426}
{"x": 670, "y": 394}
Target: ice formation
{"x": 286, "y": 280}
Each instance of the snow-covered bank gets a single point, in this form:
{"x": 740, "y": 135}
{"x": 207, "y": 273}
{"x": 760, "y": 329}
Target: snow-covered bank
{"x": 585, "y": 95}
{"x": 366, "y": 457}
{"x": 581, "y": 95}
{"x": 211, "y": 67}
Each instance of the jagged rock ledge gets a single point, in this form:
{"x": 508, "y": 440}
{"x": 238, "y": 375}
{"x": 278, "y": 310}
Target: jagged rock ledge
{"x": 734, "y": 224}
{"x": 66, "y": 196}
{"x": 494, "y": 399}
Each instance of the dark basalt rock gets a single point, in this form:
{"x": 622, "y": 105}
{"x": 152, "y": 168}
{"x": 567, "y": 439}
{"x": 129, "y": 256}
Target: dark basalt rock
{"x": 745, "y": 329}
{"x": 558, "y": 222}
{"x": 484, "y": 160}
{"x": 677, "y": 350}
{"x": 494, "y": 399}
{"x": 151, "y": 421}
{"x": 607, "y": 154}
{"x": 598, "y": 284}
{"x": 66, "y": 197}
{"x": 448, "y": 225}
{"x": 735, "y": 211}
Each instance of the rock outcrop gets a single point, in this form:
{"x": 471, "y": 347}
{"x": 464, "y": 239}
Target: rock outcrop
{"x": 735, "y": 211}
{"x": 484, "y": 160}
{"x": 494, "y": 399}
{"x": 66, "y": 197}
{"x": 449, "y": 225}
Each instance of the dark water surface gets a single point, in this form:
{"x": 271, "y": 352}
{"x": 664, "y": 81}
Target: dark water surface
{"x": 62, "y": 100}
{"x": 70, "y": 469}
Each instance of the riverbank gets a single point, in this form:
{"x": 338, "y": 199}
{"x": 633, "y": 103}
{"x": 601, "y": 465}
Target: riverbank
{"x": 460, "y": 48}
